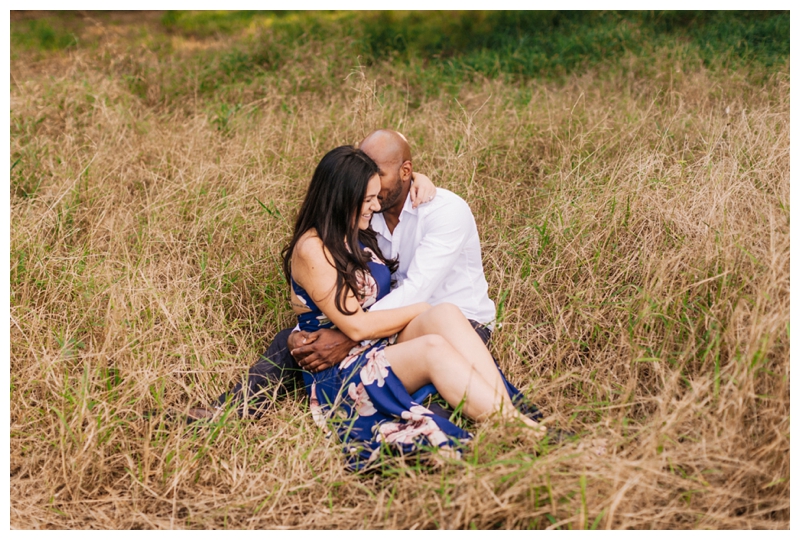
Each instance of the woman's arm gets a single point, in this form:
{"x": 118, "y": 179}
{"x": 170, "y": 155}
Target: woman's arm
{"x": 313, "y": 271}
{"x": 422, "y": 190}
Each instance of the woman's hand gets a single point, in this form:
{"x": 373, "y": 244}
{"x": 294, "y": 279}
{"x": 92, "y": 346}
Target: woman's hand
{"x": 422, "y": 190}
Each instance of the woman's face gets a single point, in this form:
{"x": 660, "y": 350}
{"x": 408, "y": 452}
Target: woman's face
{"x": 370, "y": 203}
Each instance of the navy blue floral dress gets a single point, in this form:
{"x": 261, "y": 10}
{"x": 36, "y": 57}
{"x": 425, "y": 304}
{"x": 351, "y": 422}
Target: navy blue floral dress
{"x": 361, "y": 398}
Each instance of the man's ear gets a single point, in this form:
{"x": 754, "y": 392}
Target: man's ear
{"x": 405, "y": 171}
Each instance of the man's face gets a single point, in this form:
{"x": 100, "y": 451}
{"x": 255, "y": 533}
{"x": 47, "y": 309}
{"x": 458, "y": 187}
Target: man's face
{"x": 394, "y": 166}
{"x": 391, "y": 184}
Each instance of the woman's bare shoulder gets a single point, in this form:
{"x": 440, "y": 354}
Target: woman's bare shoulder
{"x": 309, "y": 249}
{"x": 309, "y": 241}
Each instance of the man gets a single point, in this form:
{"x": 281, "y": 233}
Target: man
{"x": 439, "y": 254}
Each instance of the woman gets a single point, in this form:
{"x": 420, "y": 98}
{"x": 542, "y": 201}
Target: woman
{"x": 336, "y": 272}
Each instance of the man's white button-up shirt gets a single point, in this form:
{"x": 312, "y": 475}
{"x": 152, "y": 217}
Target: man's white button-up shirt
{"x": 439, "y": 252}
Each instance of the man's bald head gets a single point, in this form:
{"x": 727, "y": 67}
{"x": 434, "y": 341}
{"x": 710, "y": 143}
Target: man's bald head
{"x": 387, "y": 146}
{"x": 391, "y": 152}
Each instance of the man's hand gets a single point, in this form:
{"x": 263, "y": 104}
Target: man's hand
{"x": 422, "y": 190}
{"x": 315, "y": 351}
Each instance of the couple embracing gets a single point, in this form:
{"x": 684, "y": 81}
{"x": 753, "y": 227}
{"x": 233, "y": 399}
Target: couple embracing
{"x": 391, "y": 301}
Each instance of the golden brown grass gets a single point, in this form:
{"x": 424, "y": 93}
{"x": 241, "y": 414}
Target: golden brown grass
{"x": 635, "y": 226}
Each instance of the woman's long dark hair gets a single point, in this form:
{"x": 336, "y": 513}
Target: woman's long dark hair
{"x": 332, "y": 207}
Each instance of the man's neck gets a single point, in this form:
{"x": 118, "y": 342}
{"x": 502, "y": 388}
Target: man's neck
{"x": 391, "y": 216}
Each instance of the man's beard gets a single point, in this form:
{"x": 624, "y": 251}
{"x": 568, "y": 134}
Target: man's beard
{"x": 392, "y": 198}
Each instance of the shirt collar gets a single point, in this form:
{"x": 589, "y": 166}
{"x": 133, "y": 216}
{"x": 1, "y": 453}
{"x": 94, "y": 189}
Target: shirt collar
{"x": 408, "y": 208}
{"x": 379, "y": 222}
{"x": 379, "y": 226}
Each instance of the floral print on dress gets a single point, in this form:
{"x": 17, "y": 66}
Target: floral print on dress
{"x": 361, "y": 402}
{"x": 416, "y": 412}
{"x": 367, "y": 289}
{"x": 377, "y": 368}
{"x": 412, "y": 432}
{"x": 317, "y": 414}
{"x": 354, "y": 353}
{"x": 373, "y": 256}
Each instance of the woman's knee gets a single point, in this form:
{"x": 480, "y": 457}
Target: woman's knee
{"x": 446, "y": 307}
{"x": 434, "y": 346}
{"x": 421, "y": 355}
{"x": 437, "y": 351}
{"x": 445, "y": 312}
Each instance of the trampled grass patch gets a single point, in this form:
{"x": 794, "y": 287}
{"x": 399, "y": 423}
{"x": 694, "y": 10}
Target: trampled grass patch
{"x": 634, "y": 214}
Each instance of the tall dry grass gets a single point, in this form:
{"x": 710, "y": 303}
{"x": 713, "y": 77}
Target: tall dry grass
{"x": 635, "y": 227}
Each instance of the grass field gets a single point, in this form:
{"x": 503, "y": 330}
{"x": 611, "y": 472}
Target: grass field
{"x": 630, "y": 180}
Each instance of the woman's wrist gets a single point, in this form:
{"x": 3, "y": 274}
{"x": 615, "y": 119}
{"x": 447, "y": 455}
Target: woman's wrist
{"x": 422, "y": 307}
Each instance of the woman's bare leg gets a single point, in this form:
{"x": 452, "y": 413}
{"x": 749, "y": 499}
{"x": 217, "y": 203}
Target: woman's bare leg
{"x": 446, "y": 320}
{"x": 432, "y": 359}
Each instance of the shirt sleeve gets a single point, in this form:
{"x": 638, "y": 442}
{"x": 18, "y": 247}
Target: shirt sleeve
{"x": 444, "y": 234}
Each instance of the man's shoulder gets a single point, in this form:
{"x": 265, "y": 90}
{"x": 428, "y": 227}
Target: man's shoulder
{"x": 445, "y": 211}
{"x": 447, "y": 199}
